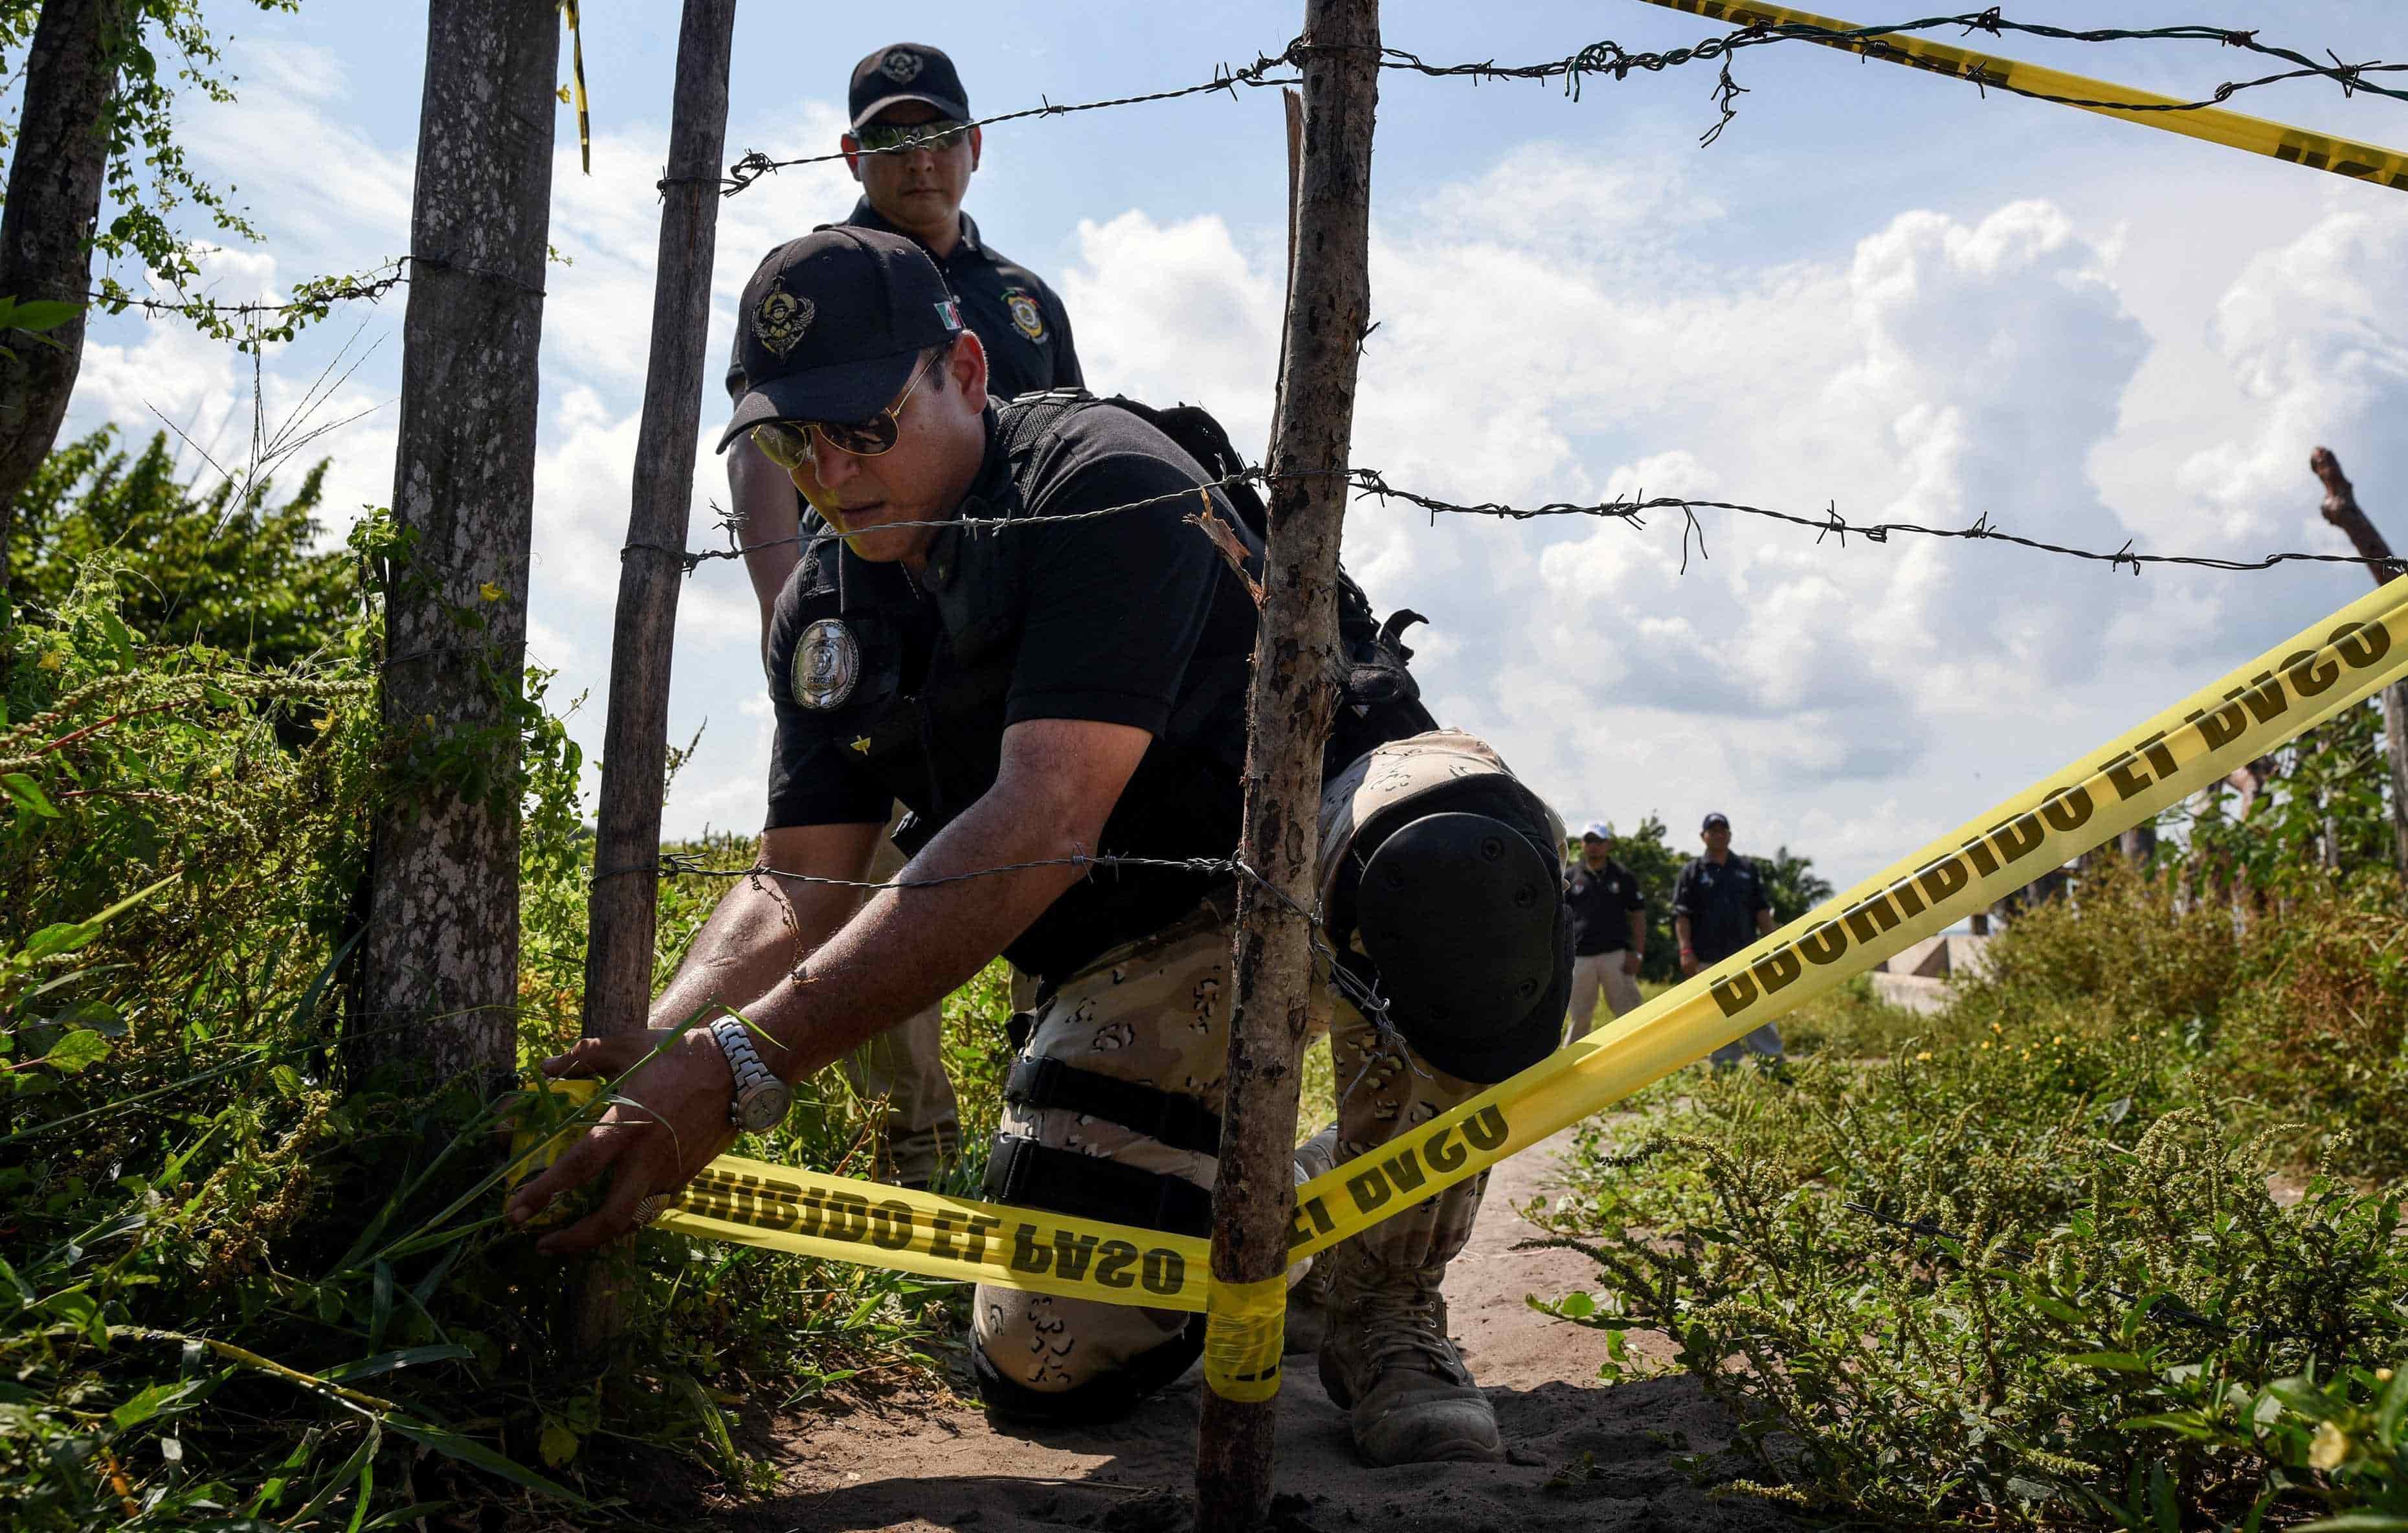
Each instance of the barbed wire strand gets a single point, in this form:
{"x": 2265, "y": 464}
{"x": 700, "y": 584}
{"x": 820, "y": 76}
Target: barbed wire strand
{"x": 1610, "y": 59}
{"x": 1365, "y": 997}
{"x": 1370, "y": 483}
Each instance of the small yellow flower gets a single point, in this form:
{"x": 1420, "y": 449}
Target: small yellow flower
{"x": 2058, "y": 1039}
{"x": 2383, "y": 1375}
{"x": 2328, "y": 1448}
{"x": 1995, "y": 1029}
{"x": 52, "y": 660}
{"x": 1985, "y": 1045}
{"x": 1922, "y": 1057}
{"x": 490, "y": 591}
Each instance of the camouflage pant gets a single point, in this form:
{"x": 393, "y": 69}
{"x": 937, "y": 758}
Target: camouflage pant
{"x": 1157, "y": 1012}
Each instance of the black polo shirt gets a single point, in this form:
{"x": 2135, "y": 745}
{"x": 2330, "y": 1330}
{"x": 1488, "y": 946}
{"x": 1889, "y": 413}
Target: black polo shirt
{"x": 1721, "y": 901}
{"x": 1128, "y": 619}
{"x": 1601, "y": 903}
{"x": 1019, "y": 321}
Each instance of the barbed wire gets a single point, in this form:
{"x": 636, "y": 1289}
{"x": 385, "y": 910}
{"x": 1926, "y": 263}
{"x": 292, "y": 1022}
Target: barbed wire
{"x": 755, "y": 165}
{"x": 1609, "y": 58}
{"x": 1612, "y": 59}
{"x": 1364, "y": 995}
{"x": 342, "y": 290}
{"x": 1371, "y": 485}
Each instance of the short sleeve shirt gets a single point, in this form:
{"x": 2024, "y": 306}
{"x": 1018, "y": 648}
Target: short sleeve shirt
{"x": 1721, "y": 900}
{"x": 1128, "y": 619}
{"x": 1601, "y": 902}
{"x": 1019, "y": 321}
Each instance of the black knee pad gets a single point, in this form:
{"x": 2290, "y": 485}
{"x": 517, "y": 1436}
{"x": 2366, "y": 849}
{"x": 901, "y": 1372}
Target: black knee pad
{"x": 1458, "y": 908}
{"x": 1108, "y": 1398}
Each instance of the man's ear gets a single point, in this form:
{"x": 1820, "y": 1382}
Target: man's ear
{"x": 852, "y": 147}
{"x": 978, "y": 143}
{"x": 966, "y": 369}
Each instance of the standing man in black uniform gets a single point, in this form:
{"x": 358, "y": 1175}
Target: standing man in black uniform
{"x": 1718, "y": 907}
{"x": 1609, "y": 931}
{"x": 908, "y": 111}
{"x": 1037, "y": 695}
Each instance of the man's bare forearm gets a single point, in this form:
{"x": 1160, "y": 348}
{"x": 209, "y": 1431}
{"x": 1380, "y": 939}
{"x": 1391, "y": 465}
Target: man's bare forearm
{"x": 909, "y": 948}
{"x": 761, "y": 932}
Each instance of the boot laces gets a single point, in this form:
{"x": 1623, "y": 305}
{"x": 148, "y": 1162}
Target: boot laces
{"x": 1406, "y": 1325}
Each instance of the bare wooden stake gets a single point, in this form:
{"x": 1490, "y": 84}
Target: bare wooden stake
{"x": 2340, "y": 508}
{"x": 1288, "y": 714}
{"x": 635, "y": 739}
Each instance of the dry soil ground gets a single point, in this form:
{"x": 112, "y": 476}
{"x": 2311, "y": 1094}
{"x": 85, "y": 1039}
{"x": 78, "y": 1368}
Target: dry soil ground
{"x": 1583, "y": 1455}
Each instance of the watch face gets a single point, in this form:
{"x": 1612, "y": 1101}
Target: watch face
{"x": 763, "y": 1107}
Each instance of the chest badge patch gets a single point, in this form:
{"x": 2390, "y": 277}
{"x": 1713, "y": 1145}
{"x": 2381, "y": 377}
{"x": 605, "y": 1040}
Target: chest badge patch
{"x": 1026, "y": 315}
{"x": 827, "y": 663}
{"x": 781, "y": 318}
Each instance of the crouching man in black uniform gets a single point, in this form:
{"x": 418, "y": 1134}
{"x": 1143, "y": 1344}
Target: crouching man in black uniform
{"x": 1036, "y": 694}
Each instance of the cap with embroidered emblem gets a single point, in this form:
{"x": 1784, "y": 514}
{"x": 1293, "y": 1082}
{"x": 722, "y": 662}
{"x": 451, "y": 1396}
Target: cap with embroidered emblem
{"x": 901, "y": 72}
{"x": 832, "y": 325}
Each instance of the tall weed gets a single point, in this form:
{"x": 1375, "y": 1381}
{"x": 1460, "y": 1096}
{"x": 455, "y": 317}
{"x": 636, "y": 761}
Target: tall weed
{"x": 2030, "y": 1267}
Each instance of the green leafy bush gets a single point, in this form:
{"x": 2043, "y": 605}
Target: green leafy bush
{"x": 2030, "y": 1267}
{"x": 236, "y": 1291}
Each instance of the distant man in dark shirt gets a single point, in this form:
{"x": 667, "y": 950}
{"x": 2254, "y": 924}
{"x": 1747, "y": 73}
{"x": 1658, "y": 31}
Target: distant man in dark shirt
{"x": 1718, "y": 907}
{"x": 1609, "y": 930}
{"x": 906, "y": 107}
{"x": 1071, "y": 687}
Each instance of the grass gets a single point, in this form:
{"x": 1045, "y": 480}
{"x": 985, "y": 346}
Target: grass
{"x": 2019, "y": 1262}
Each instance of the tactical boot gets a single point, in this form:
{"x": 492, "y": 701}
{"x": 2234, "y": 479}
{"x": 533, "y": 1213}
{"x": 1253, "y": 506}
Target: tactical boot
{"x": 1387, "y": 1361}
{"x": 1308, "y": 1321}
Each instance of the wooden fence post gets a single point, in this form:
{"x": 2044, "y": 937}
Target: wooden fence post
{"x": 443, "y": 926}
{"x": 635, "y": 738}
{"x": 1288, "y": 714}
{"x": 2340, "y": 508}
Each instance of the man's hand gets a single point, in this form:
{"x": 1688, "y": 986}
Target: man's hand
{"x": 1689, "y": 964}
{"x": 1630, "y": 962}
{"x": 657, "y": 1147}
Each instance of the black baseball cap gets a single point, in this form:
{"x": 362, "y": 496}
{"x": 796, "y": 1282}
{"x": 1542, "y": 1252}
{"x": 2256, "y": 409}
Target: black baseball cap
{"x": 1717, "y": 820}
{"x": 831, "y": 325}
{"x": 902, "y": 72}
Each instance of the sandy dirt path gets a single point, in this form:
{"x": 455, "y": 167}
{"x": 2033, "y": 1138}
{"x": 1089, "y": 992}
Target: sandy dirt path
{"x": 1582, "y": 1455}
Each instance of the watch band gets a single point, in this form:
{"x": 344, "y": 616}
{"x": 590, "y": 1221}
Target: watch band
{"x": 743, "y": 1063}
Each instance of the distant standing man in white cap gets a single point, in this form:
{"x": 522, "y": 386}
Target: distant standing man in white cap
{"x": 1609, "y": 930}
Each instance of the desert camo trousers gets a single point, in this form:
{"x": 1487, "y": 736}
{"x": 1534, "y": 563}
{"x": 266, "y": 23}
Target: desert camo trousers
{"x": 1157, "y": 1012}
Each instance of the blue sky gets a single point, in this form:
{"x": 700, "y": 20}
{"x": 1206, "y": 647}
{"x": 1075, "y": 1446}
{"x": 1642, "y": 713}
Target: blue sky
{"x": 1877, "y": 289}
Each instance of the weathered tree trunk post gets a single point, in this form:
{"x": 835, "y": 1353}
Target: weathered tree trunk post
{"x": 1288, "y": 714}
{"x": 635, "y": 738}
{"x": 443, "y": 927}
{"x": 54, "y": 176}
{"x": 2341, "y": 510}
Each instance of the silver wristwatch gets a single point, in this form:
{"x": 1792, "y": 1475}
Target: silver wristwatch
{"x": 760, "y": 1098}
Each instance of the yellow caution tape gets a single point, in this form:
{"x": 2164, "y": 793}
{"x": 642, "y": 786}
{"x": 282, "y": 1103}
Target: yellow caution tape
{"x": 1244, "y": 1330}
{"x": 2238, "y": 130}
{"x": 843, "y": 1219}
{"x": 2292, "y": 687}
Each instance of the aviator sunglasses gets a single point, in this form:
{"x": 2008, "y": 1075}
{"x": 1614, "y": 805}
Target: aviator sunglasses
{"x": 881, "y": 139}
{"x": 788, "y": 443}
